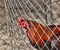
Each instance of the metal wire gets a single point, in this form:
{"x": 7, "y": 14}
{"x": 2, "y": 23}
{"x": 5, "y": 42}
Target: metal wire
{"x": 27, "y": 9}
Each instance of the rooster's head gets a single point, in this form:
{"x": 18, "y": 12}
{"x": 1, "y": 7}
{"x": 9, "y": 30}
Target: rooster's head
{"x": 22, "y": 23}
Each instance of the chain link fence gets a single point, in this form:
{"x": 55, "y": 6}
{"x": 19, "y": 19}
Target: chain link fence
{"x": 46, "y": 12}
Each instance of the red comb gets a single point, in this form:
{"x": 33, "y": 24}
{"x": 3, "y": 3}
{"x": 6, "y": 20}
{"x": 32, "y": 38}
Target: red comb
{"x": 20, "y": 19}
{"x": 19, "y": 22}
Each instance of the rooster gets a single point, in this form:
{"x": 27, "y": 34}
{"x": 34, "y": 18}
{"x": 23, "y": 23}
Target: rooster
{"x": 37, "y": 34}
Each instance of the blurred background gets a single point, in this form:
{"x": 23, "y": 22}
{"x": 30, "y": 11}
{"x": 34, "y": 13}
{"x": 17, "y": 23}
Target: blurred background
{"x": 14, "y": 38}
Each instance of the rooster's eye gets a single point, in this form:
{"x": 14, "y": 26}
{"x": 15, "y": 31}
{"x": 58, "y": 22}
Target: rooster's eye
{"x": 22, "y": 23}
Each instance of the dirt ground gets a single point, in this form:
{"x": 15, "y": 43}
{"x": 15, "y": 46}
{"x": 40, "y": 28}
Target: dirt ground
{"x": 5, "y": 40}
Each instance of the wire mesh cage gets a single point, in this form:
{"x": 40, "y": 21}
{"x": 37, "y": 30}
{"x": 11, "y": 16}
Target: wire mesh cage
{"x": 45, "y": 12}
